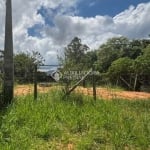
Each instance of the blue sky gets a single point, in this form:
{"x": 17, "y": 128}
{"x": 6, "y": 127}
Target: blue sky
{"x": 91, "y": 8}
{"x": 47, "y": 26}
{"x": 84, "y": 8}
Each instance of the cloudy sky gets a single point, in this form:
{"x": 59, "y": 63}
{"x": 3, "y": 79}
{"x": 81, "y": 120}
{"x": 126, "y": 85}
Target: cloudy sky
{"x": 48, "y": 26}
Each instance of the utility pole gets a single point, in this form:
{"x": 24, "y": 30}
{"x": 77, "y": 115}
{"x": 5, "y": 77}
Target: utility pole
{"x": 8, "y": 87}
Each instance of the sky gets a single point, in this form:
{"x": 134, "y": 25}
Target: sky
{"x": 47, "y": 26}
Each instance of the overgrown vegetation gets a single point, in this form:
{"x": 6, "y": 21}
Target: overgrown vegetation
{"x": 53, "y": 122}
{"x": 120, "y": 61}
{"x": 24, "y": 65}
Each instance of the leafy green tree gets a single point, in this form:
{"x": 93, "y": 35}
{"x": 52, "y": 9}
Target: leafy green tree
{"x": 24, "y": 65}
{"x": 131, "y": 72}
{"x": 120, "y": 71}
{"x": 133, "y": 49}
{"x": 141, "y": 68}
{"x": 136, "y": 48}
{"x": 146, "y": 51}
{"x": 74, "y": 59}
{"x": 117, "y": 48}
{"x": 142, "y": 63}
{"x": 111, "y": 51}
{"x": 74, "y": 55}
{"x": 145, "y": 43}
{"x": 91, "y": 58}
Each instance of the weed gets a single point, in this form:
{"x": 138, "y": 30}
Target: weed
{"x": 51, "y": 122}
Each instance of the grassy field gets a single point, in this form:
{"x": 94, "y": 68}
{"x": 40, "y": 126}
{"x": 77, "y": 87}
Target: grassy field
{"x": 74, "y": 123}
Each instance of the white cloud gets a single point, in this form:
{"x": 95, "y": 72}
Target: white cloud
{"x": 92, "y": 4}
{"x": 2, "y": 25}
{"x": 133, "y": 23}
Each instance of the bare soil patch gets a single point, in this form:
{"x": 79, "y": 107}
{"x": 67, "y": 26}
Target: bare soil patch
{"x": 28, "y": 89}
{"x": 105, "y": 93}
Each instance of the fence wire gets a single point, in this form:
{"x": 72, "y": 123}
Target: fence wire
{"x": 45, "y": 84}
{"x": 101, "y": 92}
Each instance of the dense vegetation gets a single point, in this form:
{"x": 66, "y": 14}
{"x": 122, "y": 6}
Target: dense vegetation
{"x": 57, "y": 122}
{"x": 24, "y": 65}
{"x": 120, "y": 61}
{"x": 53, "y": 123}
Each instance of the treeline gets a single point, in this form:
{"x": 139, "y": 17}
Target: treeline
{"x": 120, "y": 61}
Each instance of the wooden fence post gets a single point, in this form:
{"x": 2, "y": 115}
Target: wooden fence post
{"x": 35, "y": 82}
{"x": 94, "y": 84}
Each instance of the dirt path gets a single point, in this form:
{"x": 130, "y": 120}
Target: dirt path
{"x": 105, "y": 93}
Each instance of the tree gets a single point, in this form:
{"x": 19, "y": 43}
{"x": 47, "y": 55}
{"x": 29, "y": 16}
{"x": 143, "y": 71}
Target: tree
{"x": 133, "y": 49}
{"x": 111, "y": 51}
{"x": 133, "y": 72}
{"x": 74, "y": 55}
{"x": 119, "y": 47}
{"x": 24, "y": 65}
{"x": 141, "y": 68}
{"x": 90, "y": 58}
{"x": 142, "y": 63}
{"x": 120, "y": 71}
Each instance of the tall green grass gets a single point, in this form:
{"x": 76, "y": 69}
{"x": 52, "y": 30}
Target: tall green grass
{"x": 53, "y": 121}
